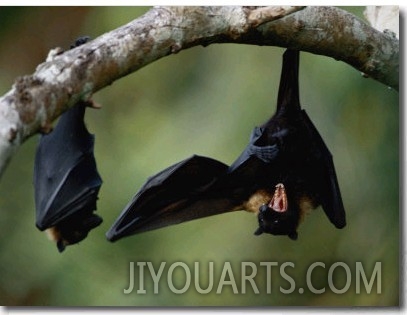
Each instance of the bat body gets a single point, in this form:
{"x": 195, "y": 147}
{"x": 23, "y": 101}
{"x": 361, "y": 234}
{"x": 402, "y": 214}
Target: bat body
{"x": 293, "y": 154}
{"x": 66, "y": 180}
{"x": 285, "y": 171}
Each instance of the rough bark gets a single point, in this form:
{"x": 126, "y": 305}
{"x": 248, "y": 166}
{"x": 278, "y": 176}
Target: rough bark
{"x": 35, "y": 100}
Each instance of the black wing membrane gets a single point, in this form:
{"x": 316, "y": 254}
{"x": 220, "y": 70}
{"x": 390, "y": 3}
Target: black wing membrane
{"x": 330, "y": 195}
{"x": 66, "y": 179}
{"x": 179, "y": 193}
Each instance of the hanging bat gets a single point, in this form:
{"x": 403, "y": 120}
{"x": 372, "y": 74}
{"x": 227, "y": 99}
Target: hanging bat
{"x": 66, "y": 180}
{"x": 285, "y": 171}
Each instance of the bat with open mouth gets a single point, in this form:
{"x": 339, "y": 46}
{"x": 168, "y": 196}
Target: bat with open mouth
{"x": 285, "y": 171}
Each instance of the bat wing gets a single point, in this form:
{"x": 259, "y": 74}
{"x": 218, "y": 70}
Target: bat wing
{"x": 330, "y": 194}
{"x": 77, "y": 192}
{"x": 179, "y": 193}
{"x": 65, "y": 176}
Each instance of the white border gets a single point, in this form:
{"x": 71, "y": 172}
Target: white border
{"x": 403, "y": 144}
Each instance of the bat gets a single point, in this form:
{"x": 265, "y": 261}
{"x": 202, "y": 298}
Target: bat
{"x": 285, "y": 171}
{"x": 66, "y": 180}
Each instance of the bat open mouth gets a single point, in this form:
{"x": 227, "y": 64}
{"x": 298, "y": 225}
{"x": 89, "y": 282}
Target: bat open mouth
{"x": 274, "y": 218}
{"x": 279, "y": 201}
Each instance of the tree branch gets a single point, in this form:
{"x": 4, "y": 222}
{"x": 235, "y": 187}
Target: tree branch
{"x": 34, "y": 101}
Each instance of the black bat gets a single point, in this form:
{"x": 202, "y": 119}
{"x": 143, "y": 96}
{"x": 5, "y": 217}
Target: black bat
{"x": 66, "y": 180}
{"x": 285, "y": 171}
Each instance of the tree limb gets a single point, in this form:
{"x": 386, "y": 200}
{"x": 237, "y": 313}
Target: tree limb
{"x": 34, "y": 101}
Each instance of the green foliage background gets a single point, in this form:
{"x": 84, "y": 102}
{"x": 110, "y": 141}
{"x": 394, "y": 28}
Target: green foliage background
{"x": 201, "y": 101}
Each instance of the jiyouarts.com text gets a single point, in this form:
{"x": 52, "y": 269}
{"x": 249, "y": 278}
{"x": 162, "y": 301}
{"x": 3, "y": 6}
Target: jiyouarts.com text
{"x": 212, "y": 277}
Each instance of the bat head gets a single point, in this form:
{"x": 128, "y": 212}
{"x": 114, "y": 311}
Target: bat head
{"x": 73, "y": 230}
{"x": 277, "y": 222}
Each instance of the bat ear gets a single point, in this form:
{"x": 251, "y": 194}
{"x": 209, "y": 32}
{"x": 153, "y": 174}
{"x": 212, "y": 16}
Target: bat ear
{"x": 61, "y": 246}
{"x": 262, "y": 210}
{"x": 259, "y": 231}
{"x": 293, "y": 235}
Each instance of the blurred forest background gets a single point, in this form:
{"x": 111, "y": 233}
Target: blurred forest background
{"x": 201, "y": 101}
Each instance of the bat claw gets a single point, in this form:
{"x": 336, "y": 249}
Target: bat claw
{"x": 46, "y": 128}
{"x": 92, "y": 104}
{"x": 53, "y": 53}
